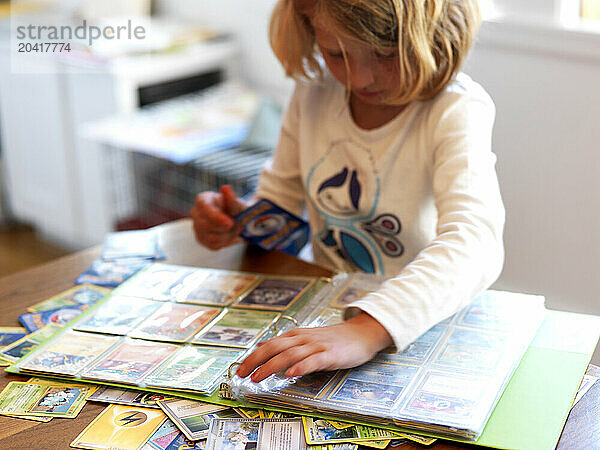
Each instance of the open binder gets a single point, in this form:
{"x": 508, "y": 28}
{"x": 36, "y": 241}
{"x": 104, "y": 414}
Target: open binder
{"x": 478, "y": 348}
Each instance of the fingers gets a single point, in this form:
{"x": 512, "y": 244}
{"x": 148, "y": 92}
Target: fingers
{"x": 284, "y": 360}
{"x": 210, "y": 207}
{"x": 312, "y": 363}
{"x": 231, "y": 204}
{"x": 213, "y": 226}
{"x": 265, "y": 352}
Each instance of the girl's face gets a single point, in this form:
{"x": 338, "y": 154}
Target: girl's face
{"x": 371, "y": 74}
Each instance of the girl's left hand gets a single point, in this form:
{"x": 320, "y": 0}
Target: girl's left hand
{"x": 305, "y": 350}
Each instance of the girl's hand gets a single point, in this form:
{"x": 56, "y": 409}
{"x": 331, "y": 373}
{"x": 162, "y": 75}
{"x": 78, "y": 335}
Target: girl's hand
{"x": 305, "y": 350}
{"x": 213, "y": 218}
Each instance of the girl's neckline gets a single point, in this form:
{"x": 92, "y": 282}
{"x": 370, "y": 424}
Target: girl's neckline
{"x": 375, "y": 131}
{"x": 372, "y": 117}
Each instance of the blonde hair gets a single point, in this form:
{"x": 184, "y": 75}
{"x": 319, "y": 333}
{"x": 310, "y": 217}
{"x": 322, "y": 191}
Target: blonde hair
{"x": 433, "y": 37}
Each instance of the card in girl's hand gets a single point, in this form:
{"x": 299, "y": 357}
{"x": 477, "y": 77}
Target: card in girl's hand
{"x": 273, "y": 228}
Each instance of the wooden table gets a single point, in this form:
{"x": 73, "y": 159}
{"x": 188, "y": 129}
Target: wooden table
{"x": 31, "y": 286}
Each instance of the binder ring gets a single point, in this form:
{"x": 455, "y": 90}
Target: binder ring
{"x": 235, "y": 364}
{"x": 290, "y": 318}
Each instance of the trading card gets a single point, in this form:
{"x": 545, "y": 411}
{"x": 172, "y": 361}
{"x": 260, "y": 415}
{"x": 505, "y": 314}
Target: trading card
{"x": 368, "y": 394}
{"x": 119, "y": 315}
{"x": 423, "y": 440}
{"x": 357, "y": 287}
{"x": 347, "y": 296}
{"x": 447, "y": 396}
{"x": 312, "y": 385}
{"x": 107, "y": 394}
{"x": 258, "y": 434}
{"x": 120, "y": 427}
{"x": 495, "y": 310}
{"x": 130, "y": 361}
{"x": 175, "y": 322}
{"x": 194, "y": 368}
{"x": 329, "y": 316}
{"x": 8, "y": 335}
{"x": 374, "y": 385}
{"x": 18, "y": 349}
{"x": 418, "y": 351}
{"x": 79, "y": 295}
{"x": 320, "y": 431}
{"x": 191, "y": 417}
{"x": 68, "y": 354}
{"x": 216, "y": 288}
{"x": 477, "y": 338}
{"x": 131, "y": 244}
{"x": 40, "y": 399}
{"x": 156, "y": 282}
{"x": 163, "y": 436}
{"x": 275, "y": 293}
{"x": 469, "y": 357}
{"x": 273, "y": 228}
{"x": 237, "y": 328}
{"x": 587, "y": 382}
{"x": 60, "y": 316}
{"x": 111, "y": 273}
{"x": 401, "y": 374}
{"x": 248, "y": 413}
{"x": 183, "y": 443}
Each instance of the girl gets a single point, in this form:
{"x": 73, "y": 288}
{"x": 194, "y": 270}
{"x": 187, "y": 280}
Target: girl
{"x": 388, "y": 147}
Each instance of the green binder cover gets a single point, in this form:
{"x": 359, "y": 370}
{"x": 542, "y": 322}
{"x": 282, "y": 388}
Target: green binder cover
{"x": 534, "y": 407}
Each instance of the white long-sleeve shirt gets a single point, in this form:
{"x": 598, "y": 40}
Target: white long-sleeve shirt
{"x": 416, "y": 199}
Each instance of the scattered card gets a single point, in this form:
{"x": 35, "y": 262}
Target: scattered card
{"x": 107, "y": 394}
{"x": 131, "y": 244}
{"x": 60, "y": 316}
{"x": 111, "y": 273}
{"x": 18, "y": 349}
{"x": 40, "y": 399}
{"x": 259, "y": 434}
{"x": 120, "y": 427}
{"x": 79, "y": 295}
{"x": 8, "y": 335}
{"x": 192, "y": 418}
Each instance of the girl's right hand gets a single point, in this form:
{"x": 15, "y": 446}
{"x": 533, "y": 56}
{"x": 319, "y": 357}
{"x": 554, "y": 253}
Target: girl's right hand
{"x": 213, "y": 214}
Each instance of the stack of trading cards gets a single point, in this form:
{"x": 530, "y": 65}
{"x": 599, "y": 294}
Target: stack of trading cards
{"x": 273, "y": 228}
{"x": 140, "y": 244}
{"x": 447, "y": 381}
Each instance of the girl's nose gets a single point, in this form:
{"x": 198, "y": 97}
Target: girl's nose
{"x": 361, "y": 75}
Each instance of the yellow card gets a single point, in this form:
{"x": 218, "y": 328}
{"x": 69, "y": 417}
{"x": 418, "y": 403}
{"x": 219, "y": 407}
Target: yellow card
{"x": 120, "y": 426}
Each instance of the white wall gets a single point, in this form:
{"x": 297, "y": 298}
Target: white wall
{"x": 249, "y": 22}
{"x": 547, "y": 138}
